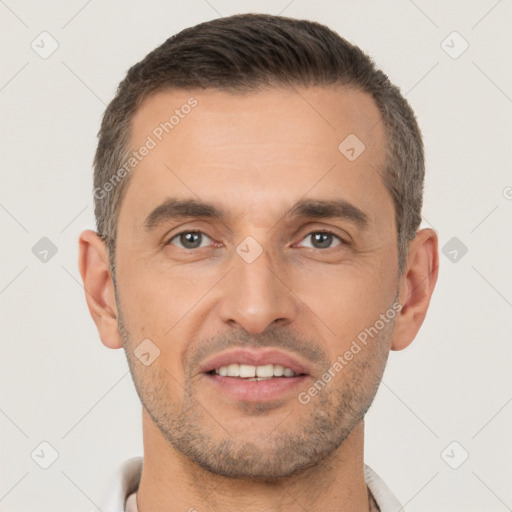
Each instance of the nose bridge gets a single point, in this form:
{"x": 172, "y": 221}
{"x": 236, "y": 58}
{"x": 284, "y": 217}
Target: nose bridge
{"x": 255, "y": 295}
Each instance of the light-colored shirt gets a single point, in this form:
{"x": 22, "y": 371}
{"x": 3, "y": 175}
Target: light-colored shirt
{"x": 122, "y": 489}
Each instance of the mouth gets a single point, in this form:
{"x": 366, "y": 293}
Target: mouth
{"x": 254, "y": 373}
{"x": 255, "y": 376}
{"x": 256, "y": 389}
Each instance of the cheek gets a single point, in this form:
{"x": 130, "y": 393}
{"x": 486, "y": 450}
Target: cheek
{"x": 154, "y": 299}
{"x": 141, "y": 301}
{"x": 346, "y": 298}
{"x": 168, "y": 306}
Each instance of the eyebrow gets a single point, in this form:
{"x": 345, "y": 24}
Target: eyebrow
{"x": 334, "y": 209}
{"x": 174, "y": 208}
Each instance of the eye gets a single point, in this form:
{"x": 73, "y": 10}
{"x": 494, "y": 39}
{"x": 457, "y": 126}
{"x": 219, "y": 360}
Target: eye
{"x": 189, "y": 240}
{"x": 323, "y": 240}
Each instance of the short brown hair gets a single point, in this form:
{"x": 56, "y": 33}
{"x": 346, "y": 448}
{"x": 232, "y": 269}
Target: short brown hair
{"x": 246, "y": 53}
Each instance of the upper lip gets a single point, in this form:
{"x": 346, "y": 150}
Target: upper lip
{"x": 254, "y": 358}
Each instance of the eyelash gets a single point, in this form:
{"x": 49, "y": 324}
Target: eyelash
{"x": 324, "y": 231}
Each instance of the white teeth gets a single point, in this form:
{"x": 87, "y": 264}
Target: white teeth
{"x": 247, "y": 371}
{"x": 278, "y": 370}
{"x": 233, "y": 370}
{"x": 288, "y": 372}
{"x": 265, "y": 371}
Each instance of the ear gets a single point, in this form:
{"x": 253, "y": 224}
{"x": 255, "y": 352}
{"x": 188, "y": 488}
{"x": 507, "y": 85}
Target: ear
{"x": 416, "y": 286}
{"x": 99, "y": 287}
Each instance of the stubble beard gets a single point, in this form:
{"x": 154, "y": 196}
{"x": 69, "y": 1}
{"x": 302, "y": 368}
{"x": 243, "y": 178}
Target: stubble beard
{"x": 306, "y": 438}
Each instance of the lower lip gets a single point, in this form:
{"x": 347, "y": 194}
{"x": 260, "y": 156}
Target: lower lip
{"x": 256, "y": 391}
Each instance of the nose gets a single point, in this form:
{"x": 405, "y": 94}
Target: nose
{"x": 256, "y": 294}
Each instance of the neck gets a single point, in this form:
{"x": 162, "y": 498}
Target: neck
{"x": 171, "y": 482}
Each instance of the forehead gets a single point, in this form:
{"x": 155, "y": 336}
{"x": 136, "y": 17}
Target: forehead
{"x": 256, "y": 149}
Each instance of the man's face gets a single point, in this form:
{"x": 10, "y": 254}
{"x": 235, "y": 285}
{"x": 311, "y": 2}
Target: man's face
{"x": 262, "y": 276}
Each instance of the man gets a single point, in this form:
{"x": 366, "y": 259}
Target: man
{"x": 258, "y": 188}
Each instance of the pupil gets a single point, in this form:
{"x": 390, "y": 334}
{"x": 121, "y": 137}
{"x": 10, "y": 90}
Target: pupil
{"x": 190, "y": 240}
{"x": 322, "y": 239}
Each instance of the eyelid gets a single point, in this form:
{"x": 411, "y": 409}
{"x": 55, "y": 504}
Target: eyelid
{"x": 168, "y": 242}
{"x": 319, "y": 227}
{"x": 342, "y": 239}
{"x": 197, "y": 226}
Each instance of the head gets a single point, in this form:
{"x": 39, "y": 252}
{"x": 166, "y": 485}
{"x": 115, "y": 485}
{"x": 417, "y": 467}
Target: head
{"x": 258, "y": 184}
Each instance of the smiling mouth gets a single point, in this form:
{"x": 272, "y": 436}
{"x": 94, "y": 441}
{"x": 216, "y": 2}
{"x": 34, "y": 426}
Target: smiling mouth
{"x": 255, "y": 373}
{"x": 249, "y": 383}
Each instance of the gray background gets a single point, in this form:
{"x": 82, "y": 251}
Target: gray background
{"x": 60, "y": 385}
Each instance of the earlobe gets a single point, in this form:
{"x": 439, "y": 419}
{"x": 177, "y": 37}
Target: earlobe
{"x": 99, "y": 288}
{"x": 416, "y": 287}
